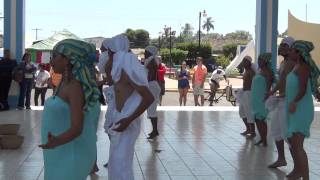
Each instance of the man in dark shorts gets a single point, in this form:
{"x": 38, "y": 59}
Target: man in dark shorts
{"x": 214, "y": 82}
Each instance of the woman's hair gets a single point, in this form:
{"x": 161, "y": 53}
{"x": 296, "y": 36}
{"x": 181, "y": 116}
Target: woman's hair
{"x": 25, "y": 56}
{"x": 181, "y": 65}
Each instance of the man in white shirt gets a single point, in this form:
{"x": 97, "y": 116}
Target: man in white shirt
{"x": 41, "y": 79}
{"x": 216, "y": 76}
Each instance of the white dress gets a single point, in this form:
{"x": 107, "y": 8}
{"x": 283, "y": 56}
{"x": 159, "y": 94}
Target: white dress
{"x": 122, "y": 144}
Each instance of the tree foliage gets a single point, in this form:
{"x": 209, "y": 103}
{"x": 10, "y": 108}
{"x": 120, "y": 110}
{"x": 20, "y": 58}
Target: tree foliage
{"x": 239, "y": 34}
{"x": 138, "y": 38}
{"x": 229, "y": 50}
{"x": 193, "y": 48}
{"x": 208, "y": 24}
{"x": 222, "y": 61}
{"x": 178, "y": 55}
{"x": 284, "y": 34}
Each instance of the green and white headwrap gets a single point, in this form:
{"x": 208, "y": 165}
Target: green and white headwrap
{"x": 305, "y": 47}
{"x": 82, "y": 56}
{"x": 267, "y": 58}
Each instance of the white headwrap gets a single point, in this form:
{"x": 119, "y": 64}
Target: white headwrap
{"x": 288, "y": 40}
{"x": 154, "y": 52}
{"x": 129, "y": 63}
{"x": 125, "y": 61}
{"x": 103, "y": 59}
{"x": 105, "y": 42}
{"x": 118, "y": 43}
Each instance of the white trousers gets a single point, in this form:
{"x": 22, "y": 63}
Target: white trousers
{"x": 279, "y": 126}
{"x": 245, "y": 106}
{"x": 120, "y": 165}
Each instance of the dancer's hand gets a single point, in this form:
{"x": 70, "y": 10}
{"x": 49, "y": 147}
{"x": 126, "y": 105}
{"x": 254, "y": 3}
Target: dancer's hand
{"x": 52, "y": 142}
{"x": 122, "y": 125}
{"x": 292, "y": 107}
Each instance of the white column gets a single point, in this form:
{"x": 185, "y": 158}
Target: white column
{"x": 267, "y": 28}
{"x": 14, "y": 27}
{"x": 13, "y": 38}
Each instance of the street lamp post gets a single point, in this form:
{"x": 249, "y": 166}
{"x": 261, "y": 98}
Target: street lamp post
{"x": 170, "y": 46}
{"x": 160, "y": 36}
{"x": 204, "y": 15}
{"x": 167, "y": 30}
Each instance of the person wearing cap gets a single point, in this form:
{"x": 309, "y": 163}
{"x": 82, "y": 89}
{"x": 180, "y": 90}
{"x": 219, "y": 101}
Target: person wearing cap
{"x": 70, "y": 116}
{"x": 41, "y": 79}
{"x": 278, "y": 125}
{"x": 261, "y": 84}
{"x": 244, "y": 98}
{"x": 301, "y": 83}
{"x": 214, "y": 82}
{"x": 151, "y": 66}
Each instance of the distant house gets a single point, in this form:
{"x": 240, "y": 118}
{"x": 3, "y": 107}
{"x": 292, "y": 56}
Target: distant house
{"x": 95, "y": 40}
{"x": 41, "y": 50}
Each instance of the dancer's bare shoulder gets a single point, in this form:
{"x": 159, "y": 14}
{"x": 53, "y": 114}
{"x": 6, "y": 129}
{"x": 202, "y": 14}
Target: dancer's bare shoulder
{"x": 123, "y": 90}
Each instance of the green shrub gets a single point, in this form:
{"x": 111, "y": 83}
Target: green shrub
{"x": 178, "y": 55}
{"x": 230, "y": 50}
{"x": 193, "y": 48}
{"x": 222, "y": 61}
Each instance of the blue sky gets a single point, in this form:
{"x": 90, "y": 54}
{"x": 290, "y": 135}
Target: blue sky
{"x": 110, "y": 17}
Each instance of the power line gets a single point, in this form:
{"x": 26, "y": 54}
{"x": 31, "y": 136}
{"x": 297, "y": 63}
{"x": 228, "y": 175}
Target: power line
{"x": 36, "y": 29}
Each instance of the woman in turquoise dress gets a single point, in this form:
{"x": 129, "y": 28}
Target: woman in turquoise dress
{"x": 70, "y": 116}
{"x": 261, "y": 84}
{"x": 301, "y": 83}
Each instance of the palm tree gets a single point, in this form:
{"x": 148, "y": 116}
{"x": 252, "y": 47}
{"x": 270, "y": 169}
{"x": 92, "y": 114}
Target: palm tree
{"x": 208, "y": 24}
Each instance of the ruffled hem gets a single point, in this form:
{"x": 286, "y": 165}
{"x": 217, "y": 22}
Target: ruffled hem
{"x": 290, "y": 133}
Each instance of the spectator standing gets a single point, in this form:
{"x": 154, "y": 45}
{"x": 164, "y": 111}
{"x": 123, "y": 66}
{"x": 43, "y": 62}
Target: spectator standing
{"x": 198, "y": 79}
{"x": 28, "y": 70}
{"x": 41, "y": 80}
{"x": 183, "y": 83}
{"x": 7, "y": 66}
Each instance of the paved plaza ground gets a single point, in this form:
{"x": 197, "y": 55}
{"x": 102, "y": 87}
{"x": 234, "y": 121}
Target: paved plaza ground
{"x": 195, "y": 143}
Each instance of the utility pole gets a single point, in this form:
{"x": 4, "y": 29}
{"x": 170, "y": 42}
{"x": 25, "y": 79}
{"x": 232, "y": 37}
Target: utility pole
{"x": 306, "y": 12}
{"x": 36, "y": 29}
